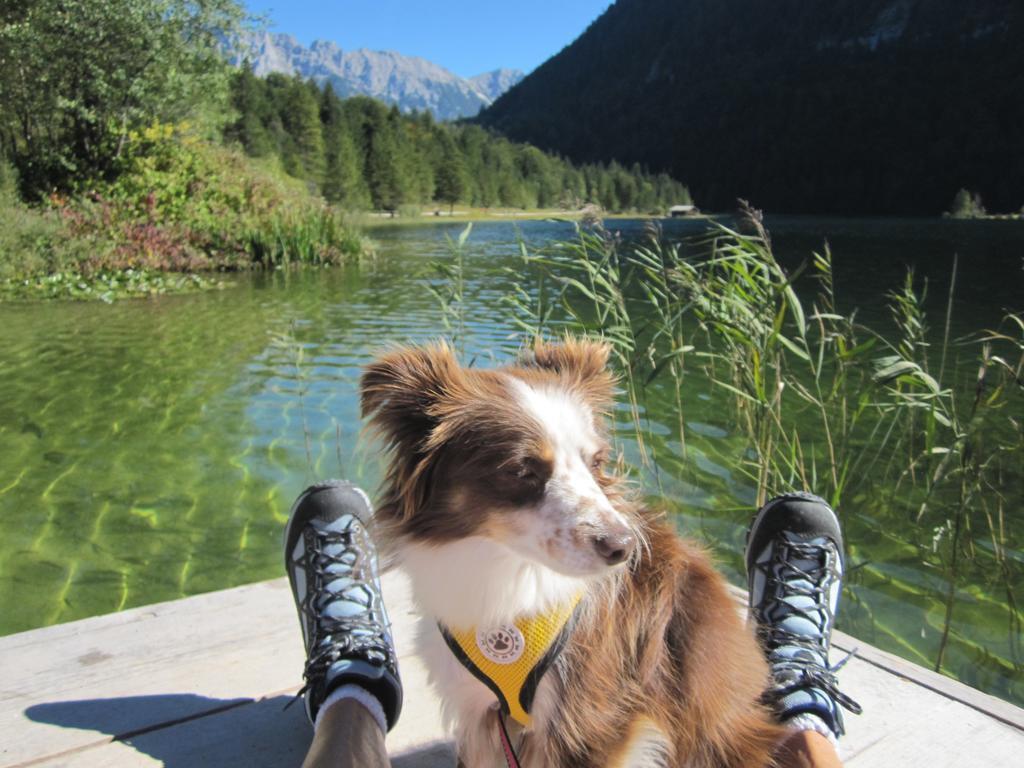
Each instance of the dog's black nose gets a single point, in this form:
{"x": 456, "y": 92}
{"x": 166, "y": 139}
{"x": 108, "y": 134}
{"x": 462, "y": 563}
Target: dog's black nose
{"x": 614, "y": 547}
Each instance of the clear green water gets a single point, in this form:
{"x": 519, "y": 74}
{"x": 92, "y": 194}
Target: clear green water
{"x": 150, "y": 449}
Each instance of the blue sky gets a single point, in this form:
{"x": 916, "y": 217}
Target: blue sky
{"x": 466, "y": 36}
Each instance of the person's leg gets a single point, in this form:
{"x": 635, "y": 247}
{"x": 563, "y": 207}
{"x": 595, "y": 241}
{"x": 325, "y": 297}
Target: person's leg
{"x": 807, "y": 749}
{"x": 353, "y": 692}
{"x": 794, "y": 573}
{"x": 347, "y": 737}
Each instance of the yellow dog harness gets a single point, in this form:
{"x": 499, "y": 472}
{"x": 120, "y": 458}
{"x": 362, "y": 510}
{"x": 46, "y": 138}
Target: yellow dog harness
{"x": 511, "y": 659}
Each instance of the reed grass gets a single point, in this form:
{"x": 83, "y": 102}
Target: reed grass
{"x": 825, "y": 403}
{"x": 318, "y": 238}
{"x": 448, "y": 287}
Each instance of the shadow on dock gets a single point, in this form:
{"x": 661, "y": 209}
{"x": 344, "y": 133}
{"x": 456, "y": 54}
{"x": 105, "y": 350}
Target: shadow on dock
{"x": 180, "y": 732}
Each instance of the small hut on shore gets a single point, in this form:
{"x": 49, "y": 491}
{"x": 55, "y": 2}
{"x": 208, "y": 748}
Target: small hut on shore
{"x": 678, "y": 211}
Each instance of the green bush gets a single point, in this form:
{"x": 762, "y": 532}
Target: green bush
{"x": 178, "y": 204}
{"x": 966, "y": 205}
{"x": 8, "y": 182}
{"x": 189, "y": 205}
{"x": 32, "y": 240}
{"x": 76, "y": 76}
{"x": 313, "y": 237}
{"x": 25, "y": 236}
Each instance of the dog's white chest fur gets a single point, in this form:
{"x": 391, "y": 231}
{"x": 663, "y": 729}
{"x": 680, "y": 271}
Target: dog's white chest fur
{"x": 465, "y": 702}
{"x": 477, "y": 582}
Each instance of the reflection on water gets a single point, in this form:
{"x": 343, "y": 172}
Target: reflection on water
{"x": 150, "y": 449}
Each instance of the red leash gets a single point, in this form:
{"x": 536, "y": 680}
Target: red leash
{"x": 506, "y": 743}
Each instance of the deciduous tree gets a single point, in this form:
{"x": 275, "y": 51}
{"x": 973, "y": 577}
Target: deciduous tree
{"x": 77, "y": 75}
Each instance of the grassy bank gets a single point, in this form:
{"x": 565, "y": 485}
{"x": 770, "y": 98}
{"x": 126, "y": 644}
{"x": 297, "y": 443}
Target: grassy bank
{"x": 464, "y": 214}
{"x": 416, "y": 215}
{"x": 179, "y": 211}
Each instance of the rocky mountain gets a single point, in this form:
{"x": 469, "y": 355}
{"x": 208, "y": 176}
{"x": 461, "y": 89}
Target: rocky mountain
{"x": 493, "y": 84}
{"x": 408, "y": 81}
{"x": 801, "y": 106}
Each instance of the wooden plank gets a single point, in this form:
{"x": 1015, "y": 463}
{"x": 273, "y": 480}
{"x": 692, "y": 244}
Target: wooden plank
{"x": 250, "y": 736}
{"x": 995, "y": 707}
{"x": 258, "y": 733}
{"x": 126, "y": 672}
{"x": 904, "y": 719}
{"x": 85, "y": 684}
{"x": 203, "y": 681}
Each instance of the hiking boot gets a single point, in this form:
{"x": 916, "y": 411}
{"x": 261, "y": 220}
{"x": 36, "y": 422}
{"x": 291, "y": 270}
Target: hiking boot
{"x": 795, "y": 576}
{"x": 332, "y": 566}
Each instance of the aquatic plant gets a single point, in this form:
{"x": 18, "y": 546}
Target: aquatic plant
{"x": 105, "y": 285}
{"x": 317, "y": 237}
{"x": 823, "y": 402}
{"x": 449, "y": 288}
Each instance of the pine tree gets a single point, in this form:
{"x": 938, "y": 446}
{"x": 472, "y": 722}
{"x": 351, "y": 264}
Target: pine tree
{"x": 383, "y": 175}
{"x": 966, "y": 205}
{"x": 449, "y": 175}
{"x": 343, "y": 174}
{"x": 625, "y": 188}
{"x": 300, "y": 115}
{"x": 248, "y": 97}
{"x": 415, "y": 157}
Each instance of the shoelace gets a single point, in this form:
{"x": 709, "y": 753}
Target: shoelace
{"x": 336, "y": 637}
{"x": 816, "y": 676}
{"x": 786, "y": 580}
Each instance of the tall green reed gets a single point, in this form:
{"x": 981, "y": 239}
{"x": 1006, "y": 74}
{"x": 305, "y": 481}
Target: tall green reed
{"x": 449, "y": 288}
{"x": 825, "y": 403}
{"x": 317, "y": 238}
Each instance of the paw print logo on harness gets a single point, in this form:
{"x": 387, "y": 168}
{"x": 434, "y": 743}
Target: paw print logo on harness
{"x": 502, "y": 645}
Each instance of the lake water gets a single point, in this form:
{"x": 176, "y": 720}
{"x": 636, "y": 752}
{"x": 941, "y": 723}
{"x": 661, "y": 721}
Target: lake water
{"x": 150, "y": 449}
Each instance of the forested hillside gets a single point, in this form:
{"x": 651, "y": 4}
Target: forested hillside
{"x": 849, "y": 106}
{"x": 360, "y": 153}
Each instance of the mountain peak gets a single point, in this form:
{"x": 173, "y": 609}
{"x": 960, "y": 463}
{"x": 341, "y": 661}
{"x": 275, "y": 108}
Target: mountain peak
{"x": 410, "y": 82}
{"x": 494, "y": 83}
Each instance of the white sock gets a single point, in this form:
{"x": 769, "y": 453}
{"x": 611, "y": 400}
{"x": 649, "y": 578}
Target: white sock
{"x": 357, "y": 693}
{"x": 810, "y": 722}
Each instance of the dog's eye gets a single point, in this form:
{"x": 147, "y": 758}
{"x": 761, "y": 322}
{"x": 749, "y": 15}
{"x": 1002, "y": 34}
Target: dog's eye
{"x": 597, "y": 460}
{"x": 529, "y": 474}
{"x": 523, "y": 473}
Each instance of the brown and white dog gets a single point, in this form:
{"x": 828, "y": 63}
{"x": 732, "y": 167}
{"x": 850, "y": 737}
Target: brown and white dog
{"x": 499, "y": 503}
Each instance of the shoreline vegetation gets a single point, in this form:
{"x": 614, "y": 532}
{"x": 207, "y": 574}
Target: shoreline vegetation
{"x": 182, "y": 211}
{"x": 968, "y": 205}
{"x": 136, "y": 161}
{"x": 471, "y": 215}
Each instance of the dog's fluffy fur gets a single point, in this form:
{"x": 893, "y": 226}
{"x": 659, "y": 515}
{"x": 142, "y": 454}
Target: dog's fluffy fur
{"x": 499, "y": 503}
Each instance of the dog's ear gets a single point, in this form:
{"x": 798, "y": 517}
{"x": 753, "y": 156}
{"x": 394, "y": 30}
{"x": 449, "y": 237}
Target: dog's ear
{"x": 400, "y": 392}
{"x": 583, "y": 362}
{"x": 404, "y": 394}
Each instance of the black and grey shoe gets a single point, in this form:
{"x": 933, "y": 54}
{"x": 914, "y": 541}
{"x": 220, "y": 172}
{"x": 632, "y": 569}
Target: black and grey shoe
{"x": 332, "y": 566}
{"x": 795, "y": 574}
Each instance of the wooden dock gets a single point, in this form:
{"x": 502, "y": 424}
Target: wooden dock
{"x": 204, "y": 681}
